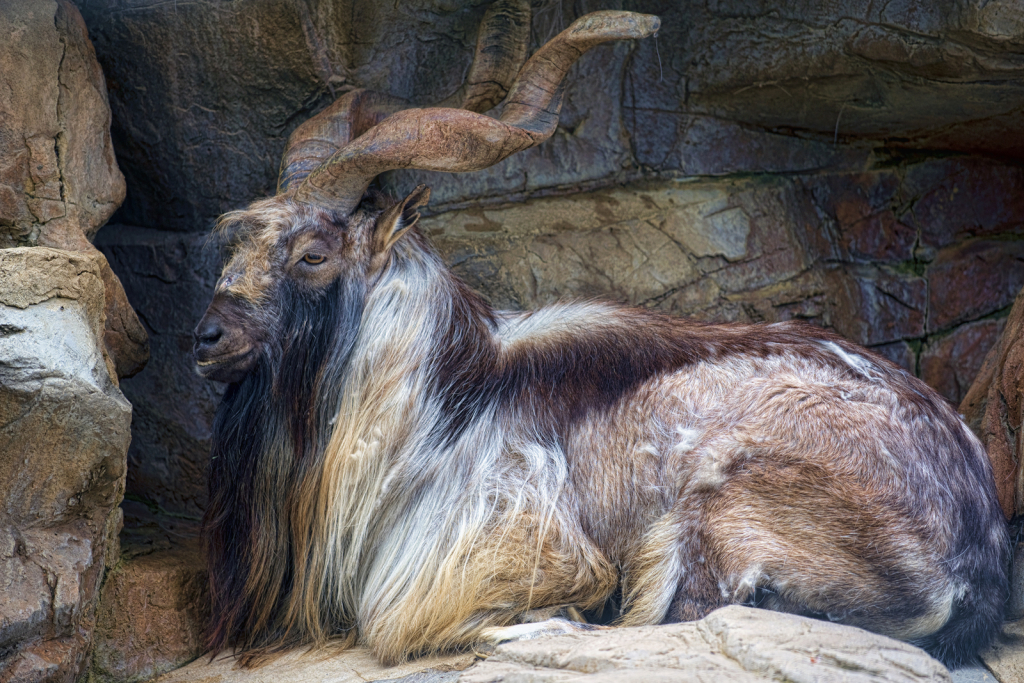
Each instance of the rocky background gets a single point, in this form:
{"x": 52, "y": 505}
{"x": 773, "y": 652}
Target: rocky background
{"x": 859, "y": 165}
{"x": 67, "y": 333}
{"x": 856, "y": 164}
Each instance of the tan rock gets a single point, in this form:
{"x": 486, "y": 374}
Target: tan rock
{"x": 60, "y": 163}
{"x": 64, "y": 433}
{"x": 1005, "y": 658}
{"x": 993, "y": 408}
{"x": 151, "y": 615}
{"x": 300, "y": 666}
{"x": 732, "y": 645}
{"x": 59, "y": 181}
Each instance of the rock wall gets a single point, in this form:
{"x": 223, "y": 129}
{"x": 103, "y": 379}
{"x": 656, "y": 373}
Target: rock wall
{"x": 204, "y": 94}
{"x": 67, "y": 333}
{"x": 64, "y": 433}
{"x": 59, "y": 181}
{"x": 994, "y": 407}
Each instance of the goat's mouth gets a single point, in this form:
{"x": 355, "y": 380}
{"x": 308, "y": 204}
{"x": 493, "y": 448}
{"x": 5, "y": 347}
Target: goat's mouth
{"x": 226, "y": 367}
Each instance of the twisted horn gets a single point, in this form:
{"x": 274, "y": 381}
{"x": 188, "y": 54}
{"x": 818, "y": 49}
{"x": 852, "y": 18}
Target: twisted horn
{"x": 501, "y": 48}
{"x": 500, "y": 52}
{"x": 456, "y": 140}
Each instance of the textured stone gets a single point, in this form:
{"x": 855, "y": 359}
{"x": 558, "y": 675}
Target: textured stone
{"x": 994, "y": 406}
{"x": 953, "y": 199}
{"x": 1005, "y": 658}
{"x": 204, "y": 95}
{"x": 56, "y": 157}
{"x": 64, "y": 432}
{"x": 901, "y": 353}
{"x": 299, "y": 666}
{"x": 59, "y": 181}
{"x": 950, "y": 363}
{"x": 972, "y": 280}
{"x": 170, "y": 277}
{"x": 862, "y": 209}
{"x": 151, "y": 615}
{"x": 733, "y": 644}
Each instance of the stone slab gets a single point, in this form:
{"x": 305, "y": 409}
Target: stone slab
{"x": 1005, "y": 658}
{"x": 733, "y": 644}
{"x": 299, "y": 666}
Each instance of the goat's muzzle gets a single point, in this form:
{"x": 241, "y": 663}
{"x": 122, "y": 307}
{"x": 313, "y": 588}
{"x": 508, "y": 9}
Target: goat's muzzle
{"x": 222, "y": 350}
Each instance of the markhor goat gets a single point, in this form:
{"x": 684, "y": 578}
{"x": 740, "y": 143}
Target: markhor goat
{"x": 396, "y": 462}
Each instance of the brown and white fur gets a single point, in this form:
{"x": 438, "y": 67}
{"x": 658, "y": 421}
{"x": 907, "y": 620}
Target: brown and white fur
{"x": 397, "y": 463}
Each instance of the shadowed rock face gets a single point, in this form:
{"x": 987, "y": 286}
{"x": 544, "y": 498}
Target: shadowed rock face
{"x": 205, "y": 94}
{"x": 64, "y": 432}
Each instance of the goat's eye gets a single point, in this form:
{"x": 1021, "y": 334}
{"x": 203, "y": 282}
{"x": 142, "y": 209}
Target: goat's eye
{"x": 313, "y": 259}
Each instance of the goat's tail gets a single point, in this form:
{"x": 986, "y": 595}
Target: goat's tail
{"x": 979, "y": 566}
{"x": 975, "y": 620}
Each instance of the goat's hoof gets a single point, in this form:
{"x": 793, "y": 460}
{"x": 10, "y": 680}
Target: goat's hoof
{"x": 537, "y": 629}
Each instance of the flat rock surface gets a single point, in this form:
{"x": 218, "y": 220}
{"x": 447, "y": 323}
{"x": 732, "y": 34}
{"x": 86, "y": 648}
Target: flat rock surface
{"x": 302, "y": 665}
{"x": 734, "y": 644}
{"x": 1005, "y": 658}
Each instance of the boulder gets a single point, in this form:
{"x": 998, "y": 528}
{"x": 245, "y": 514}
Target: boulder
{"x": 59, "y": 181}
{"x": 151, "y": 615}
{"x": 994, "y": 406}
{"x": 64, "y": 433}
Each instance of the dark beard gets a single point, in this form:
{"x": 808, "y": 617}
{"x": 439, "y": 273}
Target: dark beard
{"x": 269, "y": 435}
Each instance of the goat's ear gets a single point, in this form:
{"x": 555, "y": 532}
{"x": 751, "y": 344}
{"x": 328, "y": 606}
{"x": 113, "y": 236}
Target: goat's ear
{"x": 397, "y": 220}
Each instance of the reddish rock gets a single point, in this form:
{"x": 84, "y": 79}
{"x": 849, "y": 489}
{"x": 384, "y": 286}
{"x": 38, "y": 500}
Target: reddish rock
{"x": 877, "y": 305}
{"x": 151, "y": 616}
{"x": 972, "y": 280}
{"x": 950, "y": 363}
{"x": 994, "y": 407}
{"x": 960, "y": 198}
{"x": 900, "y": 353}
{"x": 861, "y": 206}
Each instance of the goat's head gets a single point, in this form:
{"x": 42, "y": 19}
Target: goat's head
{"x": 283, "y": 254}
{"x": 324, "y": 231}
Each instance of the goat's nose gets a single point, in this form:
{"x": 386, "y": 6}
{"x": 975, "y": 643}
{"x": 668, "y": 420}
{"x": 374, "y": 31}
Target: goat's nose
{"x": 208, "y": 332}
